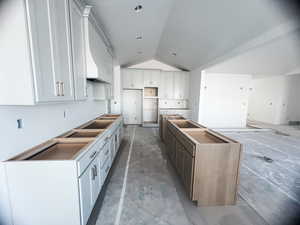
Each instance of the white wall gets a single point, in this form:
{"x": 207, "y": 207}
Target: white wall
{"x": 154, "y": 64}
{"x": 195, "y": 83}
{"x": 293, "y": 96}
{"x": 275, "y": 99}
{"x": 267, "y": 99}
{"x": 224, "y": 100}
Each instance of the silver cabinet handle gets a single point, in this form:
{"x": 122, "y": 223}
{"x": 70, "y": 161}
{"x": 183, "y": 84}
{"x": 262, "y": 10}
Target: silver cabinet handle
{"x": 93, "y": 173}
{"x": 93, "y": 154}
{"x": 62, "y": 88}
{"x": 57, "y": 88}
{"x": 96, "y": 170}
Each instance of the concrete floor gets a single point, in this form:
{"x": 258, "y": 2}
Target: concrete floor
{"x": 143, "y": 189}
{"x": 285, "y": 129}
{"x": 272, "y": 189}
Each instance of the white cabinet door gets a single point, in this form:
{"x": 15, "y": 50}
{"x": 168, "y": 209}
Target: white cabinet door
{"x": 167, "y": 85}
{"x": 155, "y": 78}
{"x": 96, "y": 180}
{"x": 151, "y": 78}
{"x": 147, "y": 78}
{"x": 85, "y": 188}
{"x": 62, "y": 61}
{"x": 179, "y": 85}
{"x": 137, "y": 79}
{"x": 46, "y": 78}
{"x": 132, "y": 79}
{"x": 186, "y": 85}
{"x": 42, "y": 51}
{"x": 77, "y": 34}
{"x": 109, "y": 91}
{"x": 112, "y": 148}
{"x": 126, "y": 79}
{"x": 132, "y": 106}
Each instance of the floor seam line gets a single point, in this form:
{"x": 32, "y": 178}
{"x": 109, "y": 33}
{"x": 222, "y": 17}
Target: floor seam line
{"x": 274, "y": 185}
{"x": 121, "y": 202}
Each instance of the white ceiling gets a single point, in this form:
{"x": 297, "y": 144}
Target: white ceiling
{"x": 122, "y": 24}
{"x": 278, "y": 57}
{"x": 199, "y": 31}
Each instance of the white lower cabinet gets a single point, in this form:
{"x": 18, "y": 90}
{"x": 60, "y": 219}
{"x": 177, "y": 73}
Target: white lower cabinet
{"x": 85, "y": 187}
{"x": 60, "y": 192}
{"x": 112, "y": 148}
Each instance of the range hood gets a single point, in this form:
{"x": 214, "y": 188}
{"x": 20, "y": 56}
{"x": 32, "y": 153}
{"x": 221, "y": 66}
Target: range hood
{"x": 99, "y": 61}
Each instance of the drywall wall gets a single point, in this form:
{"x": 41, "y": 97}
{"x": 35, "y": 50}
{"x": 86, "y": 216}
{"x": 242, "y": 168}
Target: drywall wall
{"x": 275, "y": 99}
{"x": 224, "y": 100}
{"x": 267, "y": 99}
{"x": 194, "y": 98}
{"x": 293, "y": 96}
{"x": 154, "y": 64}
{"x": 40, "y": 123}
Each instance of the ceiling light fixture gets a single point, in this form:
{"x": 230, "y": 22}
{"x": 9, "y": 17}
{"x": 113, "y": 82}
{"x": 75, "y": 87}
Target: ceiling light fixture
{"x": 138, "y": 8}
{"x": 174, "y": 54}
{"x": 139, "y": 52}
{"x": 139, "y": 37}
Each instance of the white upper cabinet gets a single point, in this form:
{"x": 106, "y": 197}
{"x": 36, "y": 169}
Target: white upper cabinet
{"x": 35, "y": 56}
{"x": 170, "y": 84}
{"x": 77, "y": 34}
{"x": 167, "y": 85}
{"x": 99, "y": 61}
{"x": 151, "y": 78}
{"x": 132, "y": 79}
{"x": 61, "y": 44}
{"x": 181, "y": 85}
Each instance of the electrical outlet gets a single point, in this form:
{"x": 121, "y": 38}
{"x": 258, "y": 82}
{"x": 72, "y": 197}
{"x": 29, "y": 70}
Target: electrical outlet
{"x": 19, "y": 123}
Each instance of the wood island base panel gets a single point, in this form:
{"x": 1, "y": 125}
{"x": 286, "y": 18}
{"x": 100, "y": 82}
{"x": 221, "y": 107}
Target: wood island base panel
{"x": 206, "y": 162}
{"x": 61, "y": 179}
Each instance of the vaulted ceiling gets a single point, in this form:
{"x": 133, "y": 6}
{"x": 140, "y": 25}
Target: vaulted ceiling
{"x": 186, "y": 34}
{"x": 280, "y": 56}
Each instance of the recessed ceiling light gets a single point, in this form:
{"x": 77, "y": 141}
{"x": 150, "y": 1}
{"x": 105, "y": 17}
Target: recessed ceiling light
{"x": 174, "y": 54}
{"x": 139, "y": 52}
{"x": 139, "y": 37}
{"x": 138, "y": 8}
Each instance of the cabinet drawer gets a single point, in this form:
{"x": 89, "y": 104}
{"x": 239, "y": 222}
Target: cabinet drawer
{"x": 89, "y": 156}
{"x": 104, "y": 155}
{"x": 189, "y": 146}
